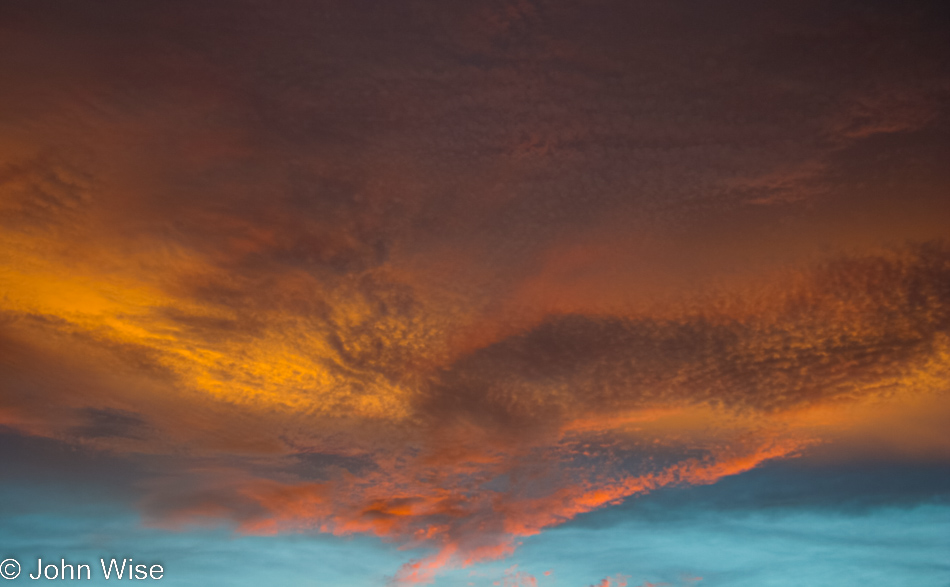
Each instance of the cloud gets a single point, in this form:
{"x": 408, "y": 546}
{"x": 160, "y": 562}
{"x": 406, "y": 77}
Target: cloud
{"x": 454, "y": 275}
{"x": 618, "y": 581}
{"x": 515, "y": 578}
{"x": 816, "y": 338}
{"x": 571, "y": 415}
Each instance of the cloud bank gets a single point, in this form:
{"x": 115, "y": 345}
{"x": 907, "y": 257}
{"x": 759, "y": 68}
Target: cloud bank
{"x": 453, "y": 275}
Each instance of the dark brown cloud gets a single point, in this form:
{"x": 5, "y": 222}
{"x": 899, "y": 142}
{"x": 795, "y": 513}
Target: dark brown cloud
{"x": 823, "y": 336}
{"x": 453, "y": 273}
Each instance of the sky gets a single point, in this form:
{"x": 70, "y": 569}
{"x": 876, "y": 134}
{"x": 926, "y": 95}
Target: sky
{"x": 515, "y": 293}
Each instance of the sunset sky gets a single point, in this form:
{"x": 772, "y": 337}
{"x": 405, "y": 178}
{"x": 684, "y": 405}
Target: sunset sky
{"x": 515, "y": 293}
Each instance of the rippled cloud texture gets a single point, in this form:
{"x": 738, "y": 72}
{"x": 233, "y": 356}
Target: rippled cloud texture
{"x": 454, "y": 274}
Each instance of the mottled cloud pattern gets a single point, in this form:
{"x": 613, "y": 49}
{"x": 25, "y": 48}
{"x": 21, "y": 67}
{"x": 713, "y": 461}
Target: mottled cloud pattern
{"x": 452, "y": 275}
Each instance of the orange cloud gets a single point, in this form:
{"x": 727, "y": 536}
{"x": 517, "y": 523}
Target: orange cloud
{"x": 574, "y": 414}
{"x": 618, "y": 581}
{"x": 456, "y": 337}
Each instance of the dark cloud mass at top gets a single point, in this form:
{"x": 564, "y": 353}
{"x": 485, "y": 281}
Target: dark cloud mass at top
{"x": 452, "y": 273}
